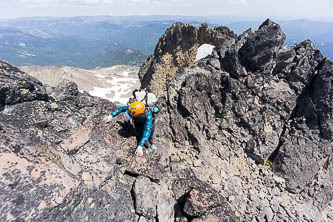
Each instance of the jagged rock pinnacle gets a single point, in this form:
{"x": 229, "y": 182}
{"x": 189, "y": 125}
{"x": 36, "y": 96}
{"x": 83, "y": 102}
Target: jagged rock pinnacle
{"x": 177, "y": 48}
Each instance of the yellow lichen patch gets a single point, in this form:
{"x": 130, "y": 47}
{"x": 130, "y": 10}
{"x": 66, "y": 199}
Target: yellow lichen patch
{"x": 24, "y": 91}
{"x": 268, "y": 163}
{"x": 90, "y": 200}
{"x": 54, "y": 106}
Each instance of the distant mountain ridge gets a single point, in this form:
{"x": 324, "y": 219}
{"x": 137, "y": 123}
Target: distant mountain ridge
{"x": 101, "y": 41}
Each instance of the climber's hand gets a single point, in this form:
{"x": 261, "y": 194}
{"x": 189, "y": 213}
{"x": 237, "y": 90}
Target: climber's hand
{"x": 108, "y": 118}
{"x": 139, "y": 151}
{"x": 153, "y": 147}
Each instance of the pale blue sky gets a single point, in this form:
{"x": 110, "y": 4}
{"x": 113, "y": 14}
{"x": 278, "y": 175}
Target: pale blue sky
{"x": 282, "y": 9}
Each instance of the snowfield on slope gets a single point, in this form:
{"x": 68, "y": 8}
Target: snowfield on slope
{"x": 114, "y": 83}
{"x": 120, "y": 89}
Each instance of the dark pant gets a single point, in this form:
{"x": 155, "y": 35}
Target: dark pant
{"x": 139, "y": 128}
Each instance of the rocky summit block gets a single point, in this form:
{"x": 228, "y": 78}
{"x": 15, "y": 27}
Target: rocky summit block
{"x": 257, "y": 96}
{"x": 259, "y": 49}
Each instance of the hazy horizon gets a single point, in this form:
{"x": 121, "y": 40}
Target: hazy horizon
{"x": 240, "y": 9}
{"x": 321, "y": 19}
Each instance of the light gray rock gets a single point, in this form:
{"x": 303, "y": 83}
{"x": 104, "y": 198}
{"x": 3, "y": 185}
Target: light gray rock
{"x": 268, "y": 213}
{"x": 145, "y": 197}
{"x": 165, "y": 207}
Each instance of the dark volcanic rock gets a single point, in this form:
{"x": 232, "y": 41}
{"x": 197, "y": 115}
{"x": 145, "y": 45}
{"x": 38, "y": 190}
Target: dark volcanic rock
{"x": 310, "y": 131}
{"x": 199, "y": 201}
{"x": 260, "y": 48}
{"x": 17, "y": 87}
{"x": 56, "y": 163}
{"x": 204, "y": 203}
{"x": 267, "y": 101}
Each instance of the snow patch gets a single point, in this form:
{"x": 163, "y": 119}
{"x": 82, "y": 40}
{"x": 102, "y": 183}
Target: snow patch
{"x": 203, "y": 51}
{"x": 124, "y": 73}
{"x": 121, "y": 87}
{"x": 101, "y": 92}
{"x": 100, "y": 76}
{"x": 22, "y": 44}
{"x": 111, "y": 68}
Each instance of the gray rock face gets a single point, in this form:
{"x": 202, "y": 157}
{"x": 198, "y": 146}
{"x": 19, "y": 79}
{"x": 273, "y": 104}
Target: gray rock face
{"x": 55, "y": 163}
{"x": 267, "y": 100}
{"x": 310, "y": 131}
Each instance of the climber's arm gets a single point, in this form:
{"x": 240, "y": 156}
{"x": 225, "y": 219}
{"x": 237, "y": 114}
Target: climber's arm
{"x": 119, "y": 110}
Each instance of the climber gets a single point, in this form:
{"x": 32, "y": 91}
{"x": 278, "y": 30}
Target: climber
{"x": 144, "y": 124}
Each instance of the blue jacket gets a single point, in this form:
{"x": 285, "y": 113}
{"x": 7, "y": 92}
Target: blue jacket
{"x": 147, "y": 120}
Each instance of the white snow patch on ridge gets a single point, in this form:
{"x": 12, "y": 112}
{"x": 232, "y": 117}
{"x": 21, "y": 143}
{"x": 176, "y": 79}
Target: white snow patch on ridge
{"x": 124, "y": 73}
{"x": 101, "y": 92}
{"x": 120, "y": 88}
{"x": 110, "y": 68}
{"x": 100, "y": 76}
{"x": 203, "y": 51}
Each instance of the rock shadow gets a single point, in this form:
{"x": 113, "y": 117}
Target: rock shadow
{"x": 127, "y": 129}
{"x": 179, "y": 208}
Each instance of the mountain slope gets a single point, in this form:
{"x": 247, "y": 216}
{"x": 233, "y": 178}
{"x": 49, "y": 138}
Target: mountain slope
{"x": 114, "y": 83}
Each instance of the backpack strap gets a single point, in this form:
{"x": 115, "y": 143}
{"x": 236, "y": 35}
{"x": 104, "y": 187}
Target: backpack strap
{"x": 147, "y": 112}
{"x": 145, "y": 99}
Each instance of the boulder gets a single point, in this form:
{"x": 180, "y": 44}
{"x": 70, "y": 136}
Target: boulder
{"x": 17, "y": 86}
{"x": 145, "y": 197}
